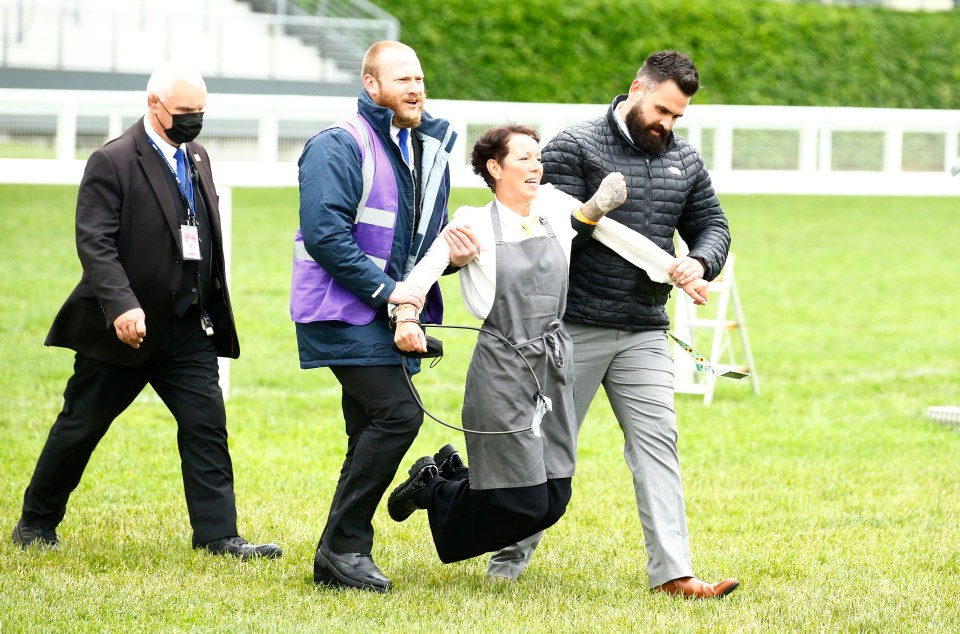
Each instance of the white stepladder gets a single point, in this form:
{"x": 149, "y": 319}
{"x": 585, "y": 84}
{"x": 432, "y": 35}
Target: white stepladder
{"x": 720, "y": 326}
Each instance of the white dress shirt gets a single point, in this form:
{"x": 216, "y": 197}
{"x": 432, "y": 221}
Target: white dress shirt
{"x": 165, "y": 148}
{"x": 621, "y": 121}
{"x": 394, "y": 131}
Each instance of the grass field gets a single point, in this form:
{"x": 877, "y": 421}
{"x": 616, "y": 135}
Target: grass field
{"x": 830, "y": 496}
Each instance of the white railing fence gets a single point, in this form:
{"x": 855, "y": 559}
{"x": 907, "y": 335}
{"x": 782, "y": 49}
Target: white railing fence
{"x": 255, "y": 140}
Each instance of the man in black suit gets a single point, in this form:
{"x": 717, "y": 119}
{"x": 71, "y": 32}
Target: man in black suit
{"x": 149, "y": 241}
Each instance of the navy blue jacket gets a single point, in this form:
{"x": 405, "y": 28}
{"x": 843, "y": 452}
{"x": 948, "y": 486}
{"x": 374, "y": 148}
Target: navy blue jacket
{"x": 331, "y": 185}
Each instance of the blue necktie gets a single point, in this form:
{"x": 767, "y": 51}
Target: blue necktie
{"x": 186, "y": 185}
{"x": 402, "y": 138}
{"x": 181, "y": 166}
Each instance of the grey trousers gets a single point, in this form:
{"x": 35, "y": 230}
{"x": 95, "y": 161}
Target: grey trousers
{"x": 636, "y": 371}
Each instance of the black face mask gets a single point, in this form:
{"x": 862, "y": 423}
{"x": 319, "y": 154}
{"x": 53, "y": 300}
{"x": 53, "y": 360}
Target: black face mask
{"x": 185, "y": 126}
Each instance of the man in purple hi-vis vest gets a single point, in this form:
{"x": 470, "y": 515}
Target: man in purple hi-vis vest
{"x": 373, "y": 197}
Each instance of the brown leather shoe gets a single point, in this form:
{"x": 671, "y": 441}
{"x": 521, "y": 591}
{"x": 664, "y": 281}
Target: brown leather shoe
{"x": 693, "y": 588}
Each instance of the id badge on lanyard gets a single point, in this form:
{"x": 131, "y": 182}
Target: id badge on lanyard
{"x": 189, "y": 235}
{"x": 190, "y": 241}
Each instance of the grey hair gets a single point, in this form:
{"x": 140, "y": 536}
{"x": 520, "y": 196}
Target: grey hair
{"x": 168, "y": 73}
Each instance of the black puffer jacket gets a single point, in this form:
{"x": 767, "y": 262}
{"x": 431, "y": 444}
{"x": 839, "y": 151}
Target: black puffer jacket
{"x": 668, "y": 191}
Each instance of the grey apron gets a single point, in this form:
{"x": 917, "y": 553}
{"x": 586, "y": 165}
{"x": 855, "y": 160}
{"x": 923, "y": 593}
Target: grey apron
{"x": 531, "y": 296}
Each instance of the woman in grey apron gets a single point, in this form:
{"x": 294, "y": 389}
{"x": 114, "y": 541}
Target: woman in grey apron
{"x": 518, "y": 483}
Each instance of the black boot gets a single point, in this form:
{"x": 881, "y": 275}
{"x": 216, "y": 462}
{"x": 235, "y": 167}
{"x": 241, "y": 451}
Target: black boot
{"x": 448, "y": 461}
{"x": 401, "y": 504}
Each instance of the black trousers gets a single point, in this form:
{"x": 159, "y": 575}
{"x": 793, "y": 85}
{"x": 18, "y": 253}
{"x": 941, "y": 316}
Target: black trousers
{"x": 382, "y": 420}
{"x": 185, "y": 375}
{"x": 469, "y": 522}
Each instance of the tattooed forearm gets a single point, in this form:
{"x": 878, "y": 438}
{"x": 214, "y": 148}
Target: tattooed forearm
{"x": 610, "y": 195}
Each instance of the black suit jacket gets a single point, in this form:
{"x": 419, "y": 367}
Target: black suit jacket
{"x": 128, "y": 240}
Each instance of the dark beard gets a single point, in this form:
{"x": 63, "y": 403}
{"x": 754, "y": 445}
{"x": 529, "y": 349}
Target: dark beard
{"x": 641, "y": 134}
{"x": 402, "y": 121}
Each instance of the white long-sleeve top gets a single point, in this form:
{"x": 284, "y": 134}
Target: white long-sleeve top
{"x": 635, "y": 248}
{"x": 478, "y": 279}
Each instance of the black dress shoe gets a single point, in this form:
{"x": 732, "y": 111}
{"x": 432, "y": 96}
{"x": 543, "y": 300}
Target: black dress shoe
{"x": 401, "y": 505}
{"x": 239, "y": 547}
{"x": 29, "y": 536}
{"x": 448, "y": 461}
{"x": 348, "y": 570}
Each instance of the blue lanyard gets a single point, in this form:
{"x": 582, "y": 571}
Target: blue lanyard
{"x": 185, "y": 192}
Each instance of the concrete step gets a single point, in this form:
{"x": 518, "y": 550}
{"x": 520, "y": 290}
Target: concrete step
{"x": 223, "y": 38}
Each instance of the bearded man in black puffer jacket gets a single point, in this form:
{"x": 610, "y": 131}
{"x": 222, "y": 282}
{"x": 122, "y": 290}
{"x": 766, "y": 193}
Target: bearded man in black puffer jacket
{"x": 617, "y": 316}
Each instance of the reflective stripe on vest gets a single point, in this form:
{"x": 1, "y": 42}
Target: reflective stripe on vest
{"x": 300, "y": 253}
{"x": 314, "y": 294}
{"x": 365, "y": 215}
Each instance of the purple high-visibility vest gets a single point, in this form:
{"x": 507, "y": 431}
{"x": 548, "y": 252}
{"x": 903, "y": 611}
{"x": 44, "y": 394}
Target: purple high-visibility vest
{"x": 314, "y": 294}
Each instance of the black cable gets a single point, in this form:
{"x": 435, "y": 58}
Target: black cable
{"x": 511, "y": 345}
